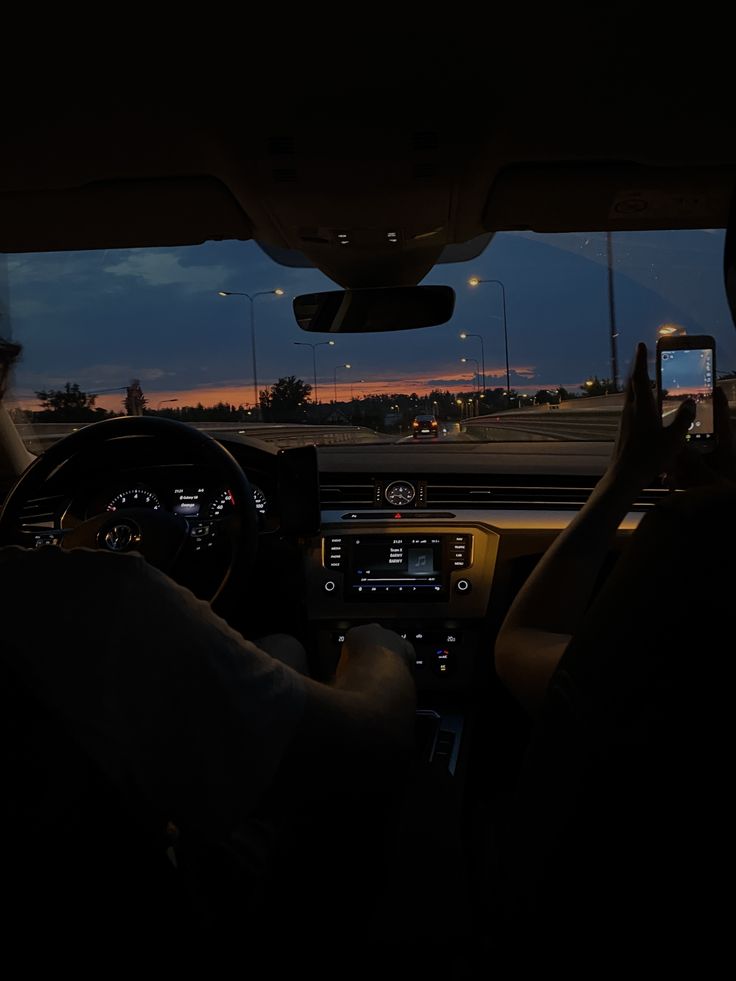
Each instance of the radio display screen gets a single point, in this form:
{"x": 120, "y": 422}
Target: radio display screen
{"x": 405, "y": 566}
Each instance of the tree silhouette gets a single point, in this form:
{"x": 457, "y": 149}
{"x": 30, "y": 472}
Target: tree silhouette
{"x": 134, "y": 401}
{"x": 285, "y": 400}
{"x": 69, "y": 398}
{"x": 69, "y": 404}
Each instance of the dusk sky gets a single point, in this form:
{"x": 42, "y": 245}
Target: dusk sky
{"x": 102, "y": 318}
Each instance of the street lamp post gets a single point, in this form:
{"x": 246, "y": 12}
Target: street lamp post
{"x": 464, "y": 336}
{"x": 314, "y": 360}
{"x": 251, "y": 297}
{"x": 478, "y": 282}
{"x": 612, "y": 313}
{"x": 477, "y": 368}
{"x": 163, "y": 401}
{"x": 335, "y": 376}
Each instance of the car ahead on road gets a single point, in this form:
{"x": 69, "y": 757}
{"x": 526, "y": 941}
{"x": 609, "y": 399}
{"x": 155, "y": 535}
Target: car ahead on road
{"x": 424, "y": 425}
{"x": 567, "y": 205}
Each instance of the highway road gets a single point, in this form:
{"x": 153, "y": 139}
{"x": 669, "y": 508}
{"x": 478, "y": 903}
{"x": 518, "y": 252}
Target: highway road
{"x": 594, "y": 425}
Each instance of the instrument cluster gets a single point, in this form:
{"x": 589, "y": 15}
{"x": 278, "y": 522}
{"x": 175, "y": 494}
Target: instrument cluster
{"x": 195, "y": 501}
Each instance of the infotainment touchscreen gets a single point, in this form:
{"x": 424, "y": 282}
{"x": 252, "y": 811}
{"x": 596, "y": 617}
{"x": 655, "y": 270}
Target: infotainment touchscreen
{"x": 395, "y": 567}
{"x": 402, "y": 565}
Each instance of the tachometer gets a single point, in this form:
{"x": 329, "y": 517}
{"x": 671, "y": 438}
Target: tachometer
{"x": 136, "y": 497}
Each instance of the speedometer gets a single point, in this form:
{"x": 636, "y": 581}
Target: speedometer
{"x": 221, "y": 504}
{"x": 260, "y": 500}
{"x": 135, "y": 497}
{"x": 223, "y": 501}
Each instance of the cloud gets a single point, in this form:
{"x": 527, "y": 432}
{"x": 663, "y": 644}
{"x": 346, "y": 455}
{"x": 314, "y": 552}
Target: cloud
{"x": 165, "y": 269}
{"x": 523, "y": 371}
{"x": 48, "y": 268}
{"x": 111, "y": 372}
{"x": 89, "y": 378}
{"x": 32, "y": 308}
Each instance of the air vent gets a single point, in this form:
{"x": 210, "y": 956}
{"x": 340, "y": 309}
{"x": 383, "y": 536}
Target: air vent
{"x": 524, "y": 496}
{"x": 281, "y": 145}
{"x": 345, "y": 493}
{"x": 43, "y": 512}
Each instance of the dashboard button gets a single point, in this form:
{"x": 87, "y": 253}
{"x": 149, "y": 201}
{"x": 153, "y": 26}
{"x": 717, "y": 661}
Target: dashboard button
{"x": 462, "y": 586}
{"x": 330, "y": 586}
{"x": 443, "y": 662}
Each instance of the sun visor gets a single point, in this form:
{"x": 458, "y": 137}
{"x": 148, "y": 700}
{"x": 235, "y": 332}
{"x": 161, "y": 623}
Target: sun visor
{"x": 121, "y": 214}
{"x": 608, "y": 197}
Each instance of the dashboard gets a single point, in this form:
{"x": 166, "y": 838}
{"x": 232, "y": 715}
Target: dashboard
{"x": 431, "y": 541}
{"x": 434, "y": 542}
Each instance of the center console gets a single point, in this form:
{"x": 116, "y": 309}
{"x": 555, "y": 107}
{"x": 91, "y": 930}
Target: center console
{"x": 429, "y": 582}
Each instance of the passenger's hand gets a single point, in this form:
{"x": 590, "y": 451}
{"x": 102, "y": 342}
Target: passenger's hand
{"x": 645, "y": 448}
{"x": 692, "y": 468}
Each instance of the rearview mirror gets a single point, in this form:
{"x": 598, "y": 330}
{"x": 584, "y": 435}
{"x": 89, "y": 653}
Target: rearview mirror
{"x": 366, "y": 310}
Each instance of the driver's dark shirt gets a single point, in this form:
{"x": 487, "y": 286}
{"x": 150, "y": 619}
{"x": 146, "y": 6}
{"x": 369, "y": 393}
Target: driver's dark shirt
{"x": 160, "y": 692}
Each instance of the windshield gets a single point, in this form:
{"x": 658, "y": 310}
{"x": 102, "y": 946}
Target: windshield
{"x": 550, "y": 323}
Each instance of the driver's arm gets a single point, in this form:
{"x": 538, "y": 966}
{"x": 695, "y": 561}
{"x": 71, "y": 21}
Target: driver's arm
{"x": 190, "y": 720}
{"x": 360, "y": 728}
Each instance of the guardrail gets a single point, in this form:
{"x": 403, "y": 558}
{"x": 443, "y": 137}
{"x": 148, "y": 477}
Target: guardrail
{"x": 582, "y": 425}
{"x": 38, "y": 436}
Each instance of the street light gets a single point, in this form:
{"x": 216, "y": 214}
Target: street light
{"x": 335, "y": 376}
{"x": 464, "y": 335}
{"x": 251, "y": 297}
{"x": 314, "y": 359}
{"x": 165, "y": 400}
{"x": 474, "y": 281}
{"x": 477, "y": 366}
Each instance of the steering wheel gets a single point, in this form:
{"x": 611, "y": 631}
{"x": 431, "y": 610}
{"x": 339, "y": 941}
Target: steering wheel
{"x": 198, "y": 553}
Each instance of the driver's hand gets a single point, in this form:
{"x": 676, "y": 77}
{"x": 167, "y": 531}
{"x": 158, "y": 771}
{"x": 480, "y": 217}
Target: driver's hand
{"x": 372, "y": 639}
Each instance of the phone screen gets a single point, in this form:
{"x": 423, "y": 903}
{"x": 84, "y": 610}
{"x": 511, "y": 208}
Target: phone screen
{"x": 688, "y": 373}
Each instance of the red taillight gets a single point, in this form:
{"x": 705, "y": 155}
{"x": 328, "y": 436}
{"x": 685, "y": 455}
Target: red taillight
{"x": 434, "y": 424}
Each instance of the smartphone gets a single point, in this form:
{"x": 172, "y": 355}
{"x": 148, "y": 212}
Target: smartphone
{"x": 686, "y": 368}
